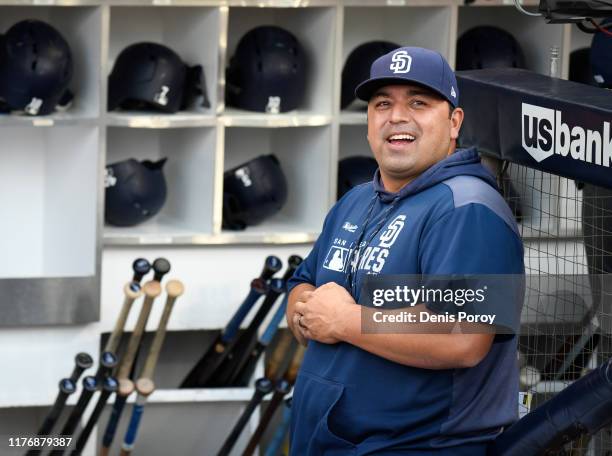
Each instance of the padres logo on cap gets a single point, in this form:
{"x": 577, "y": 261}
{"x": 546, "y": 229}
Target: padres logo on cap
{"x": 401, "y": 62}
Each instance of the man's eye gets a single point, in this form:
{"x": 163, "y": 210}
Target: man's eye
{"x": 418, "y": 103}
{"x": 382, "y": 104}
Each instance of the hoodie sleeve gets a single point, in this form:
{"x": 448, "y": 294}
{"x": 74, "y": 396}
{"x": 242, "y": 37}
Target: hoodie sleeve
{"x": 471, "y": 239}
{"x": 484, "y": 255}
{"x": 307, "y": 271}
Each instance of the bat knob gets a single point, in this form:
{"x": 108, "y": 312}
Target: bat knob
{"x": 132, "y": 290}
{"x": 110, "y": 384}
{"x": 126, "y": 387}
{"x": 141, "y": 267}
{"x": 283, "y": 387}
{"x": 145, "y": 386}
{"x": 161, "y": 266}
{"x": 294, "y": 261}
{"x": 272, "y": 265}
{"x": 152, "y": 289}
{"x": 174, "y": 288}
{"x": 90, "y": 383}
{"x": 67, "y": 386}
{"x": 264, "y": 385}
{"x": 83, "y": 361}
{"x": 108, "y": 360}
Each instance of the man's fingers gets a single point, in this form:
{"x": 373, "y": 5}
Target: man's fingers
{"x": 299, "y": 307}
{"x": 305, "y": 296}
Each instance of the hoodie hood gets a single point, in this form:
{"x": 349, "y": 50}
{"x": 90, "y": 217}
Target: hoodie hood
{"x": 462, "y": 162}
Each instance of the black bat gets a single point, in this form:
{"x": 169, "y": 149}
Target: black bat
{"x": 246, "y": 366}
{"x": 263, "y": 386}
{"x": 242, "y": 346}
{"x": 201, "y": 373}
{"x": 90, "y": 386}
{"x": 109, "y": 386}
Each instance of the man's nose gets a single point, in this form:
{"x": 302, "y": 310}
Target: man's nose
{"x": 399, "y": 114}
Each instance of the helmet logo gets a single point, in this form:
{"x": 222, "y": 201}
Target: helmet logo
{"x": 33, "y": 106}
{"x": 401, "y": 62}
{"x": 273, "y": 106}
{"x": 243, "y": 175}
{"x": 109, "y": 178}
{"x": 453, "y": 93}
{"x": 161, "y": 97}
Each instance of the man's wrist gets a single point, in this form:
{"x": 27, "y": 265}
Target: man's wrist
{"x": 349, "y": 324}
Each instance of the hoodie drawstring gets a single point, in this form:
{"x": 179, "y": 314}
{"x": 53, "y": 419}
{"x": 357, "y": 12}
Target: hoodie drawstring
{"x": 355, "y": 256}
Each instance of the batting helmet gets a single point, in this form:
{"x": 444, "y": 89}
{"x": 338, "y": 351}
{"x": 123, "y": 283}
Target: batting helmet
{"x": 147, "y": 76}
{"x": 601, "y": 53}
{"x": 267, "y": 72}
{"x": 135, "y": 191}
{"x": 488, "y": 47}
{"x": 35, "y": 68}
{"x": 252, "y": 192}
{"x": 353, "y": 171}
{"x": 357, "y": 67}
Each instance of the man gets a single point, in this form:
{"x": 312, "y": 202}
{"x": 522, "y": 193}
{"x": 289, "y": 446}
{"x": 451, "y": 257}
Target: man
{"x": 431, "y": 209}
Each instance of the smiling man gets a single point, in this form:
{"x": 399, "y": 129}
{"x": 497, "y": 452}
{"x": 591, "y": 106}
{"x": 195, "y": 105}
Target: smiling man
{"x": 431, "y": 209}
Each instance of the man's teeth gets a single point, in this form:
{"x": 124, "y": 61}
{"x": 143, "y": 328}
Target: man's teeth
{"x": 401, "y": 137}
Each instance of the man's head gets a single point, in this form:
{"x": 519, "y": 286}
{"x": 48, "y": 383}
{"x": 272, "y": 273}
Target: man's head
{"x": 413, "y": 118}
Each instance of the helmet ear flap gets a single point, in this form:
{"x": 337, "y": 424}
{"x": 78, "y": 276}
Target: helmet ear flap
{"x": 253, "y": 192}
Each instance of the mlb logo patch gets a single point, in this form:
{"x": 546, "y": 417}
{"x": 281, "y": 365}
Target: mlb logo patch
{"x": 336, "y": 259}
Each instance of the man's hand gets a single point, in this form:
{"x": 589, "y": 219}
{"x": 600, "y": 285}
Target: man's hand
{"x": 321, "y": 314}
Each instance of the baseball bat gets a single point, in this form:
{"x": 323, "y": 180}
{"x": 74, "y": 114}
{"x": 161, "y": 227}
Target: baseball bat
{"x": 279, "y": 436}
{"x": 246, "y": 366}
{"x": 145, "y": 385}
{"x": 90, "y": 385}
{"x": 109, "y": 387}
{"x": 243, "y": 344}
{"x": 151, "y": 291}
{"x": 204, "y": 368}
{"x": 263, "y": 386}
{"x": 131, "y": 292}
{"x": 283, "y": 387}
{"x": 67, "y": 386}
{"x": 141, "y": 268}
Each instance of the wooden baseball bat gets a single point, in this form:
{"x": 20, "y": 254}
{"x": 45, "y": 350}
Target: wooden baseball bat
{"x": 131, "y": 292}
{"x": 151, "y": 291}
{"x": 206, "y": 365}
{"x": 145, "y": 385}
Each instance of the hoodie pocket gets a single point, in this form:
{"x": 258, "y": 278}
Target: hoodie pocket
{"x": 313, "y": 400}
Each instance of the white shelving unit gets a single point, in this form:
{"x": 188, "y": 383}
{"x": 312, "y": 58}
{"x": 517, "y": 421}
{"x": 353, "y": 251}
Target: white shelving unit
{"x": 54, "y": 225}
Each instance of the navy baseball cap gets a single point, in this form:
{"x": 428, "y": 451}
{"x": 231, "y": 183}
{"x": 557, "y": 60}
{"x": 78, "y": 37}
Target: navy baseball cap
{"x": 411, "y": 65}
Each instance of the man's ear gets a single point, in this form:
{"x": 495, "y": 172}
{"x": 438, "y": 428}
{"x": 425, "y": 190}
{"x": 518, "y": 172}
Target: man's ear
{"x": 456, "y": 120}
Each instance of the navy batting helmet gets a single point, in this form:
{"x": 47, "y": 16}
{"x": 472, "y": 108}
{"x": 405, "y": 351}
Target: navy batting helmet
{"x": 488, "y": 47}
{"x": 353, "y": 171}
{"x": 35, "y": 68}
{"x": 135, "y": 191}
{"x": 267, "y": 72}
{"x": 147, "y": 76}
{"x": 357, "y": 67}
{"x": 601, "y": 57}
{"x": 253, "y": 192}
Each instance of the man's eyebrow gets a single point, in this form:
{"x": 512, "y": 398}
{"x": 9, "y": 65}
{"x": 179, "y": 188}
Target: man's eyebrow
{"x": 411, "y": 91}
{"x": 381, "y": 93}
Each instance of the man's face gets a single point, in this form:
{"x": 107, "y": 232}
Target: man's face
{"x": 410, "y": 128}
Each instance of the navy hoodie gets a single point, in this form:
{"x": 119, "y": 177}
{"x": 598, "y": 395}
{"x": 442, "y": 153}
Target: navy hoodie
{"x": 449, "y": 220}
